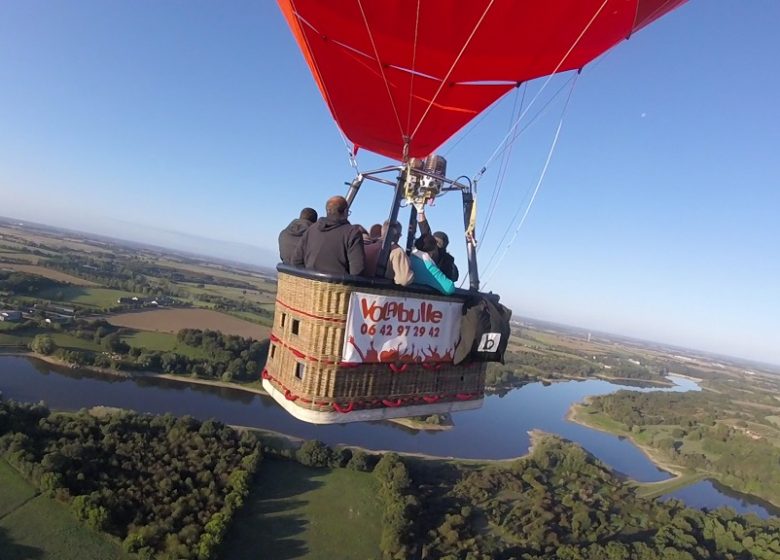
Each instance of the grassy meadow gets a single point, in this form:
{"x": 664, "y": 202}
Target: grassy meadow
{"x": 300, "y": 512}
{"x": 36, "y": 527}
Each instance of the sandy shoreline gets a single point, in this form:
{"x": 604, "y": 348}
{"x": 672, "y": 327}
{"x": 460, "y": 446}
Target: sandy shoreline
{"x": 573, "y": 415}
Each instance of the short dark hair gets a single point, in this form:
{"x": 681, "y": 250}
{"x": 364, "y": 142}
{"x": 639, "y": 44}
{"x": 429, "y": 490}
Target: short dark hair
{"x": 309, "y": 214}
{"x": 376, "y": 231}
{"x": 426, "y": 243}
{"x": 395, "y": 227}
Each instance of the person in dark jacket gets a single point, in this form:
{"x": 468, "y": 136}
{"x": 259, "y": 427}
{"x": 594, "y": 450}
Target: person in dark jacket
{"x": 292, "y": 234}
{"x": 444, "y": 260}
{"x": 332, "y": 245}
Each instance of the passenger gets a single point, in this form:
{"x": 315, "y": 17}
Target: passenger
{"x": 445, "y": 261}
{"x": 424, "y": 265}
{"x": 399, "y": 268}
{"x": 332, "y": 245}
{"x": 290, "y": 237}
{"x": 375, "y": 233}
{"x": 364, "y": 234}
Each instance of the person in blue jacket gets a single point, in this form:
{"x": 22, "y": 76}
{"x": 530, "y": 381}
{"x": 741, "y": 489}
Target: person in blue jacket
{"x": 424, "y": 265}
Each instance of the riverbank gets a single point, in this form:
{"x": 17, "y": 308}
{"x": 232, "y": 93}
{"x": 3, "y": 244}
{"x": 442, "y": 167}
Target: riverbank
{"x": 577, "y": 414}
{"x": 411, "y": 423}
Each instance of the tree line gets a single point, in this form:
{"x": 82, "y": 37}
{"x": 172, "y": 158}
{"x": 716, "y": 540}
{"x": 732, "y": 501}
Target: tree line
{"x": 224, "y": 356}
{"x": 167, "y": 487}
{"x": 704, "y": 431}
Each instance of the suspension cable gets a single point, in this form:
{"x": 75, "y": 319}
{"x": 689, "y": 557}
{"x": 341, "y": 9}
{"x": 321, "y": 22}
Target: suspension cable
{"x": 501, "y": 146}
{"x": 489, "y": 275}
{"x": 502, "y": 171}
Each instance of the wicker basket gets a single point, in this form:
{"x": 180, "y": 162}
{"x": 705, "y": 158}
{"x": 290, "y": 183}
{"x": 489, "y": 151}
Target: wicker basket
{"x": 304, "y": 364}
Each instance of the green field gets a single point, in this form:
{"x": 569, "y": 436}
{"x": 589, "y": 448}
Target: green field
{"x": 14, "y": 491}
{"x": 299, "y": 512}
{"x": 71, "y": 342}
{"x": 14, "y": 341}
{"x": 36, "y": 527}
{"x": 162, "y": 342}
{"x": 79, "y": 295}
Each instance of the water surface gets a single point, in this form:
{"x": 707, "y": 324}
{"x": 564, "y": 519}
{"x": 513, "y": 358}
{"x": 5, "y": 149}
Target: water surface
{"x": 498, "y": 430}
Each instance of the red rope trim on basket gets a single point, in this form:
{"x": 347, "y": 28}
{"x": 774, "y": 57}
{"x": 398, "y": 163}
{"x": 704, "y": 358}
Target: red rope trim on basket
{"x": 432, "y": 366}
{"x": 265, "y": 374}
{"x": 309, "y": 314}
{"x": 430, "y": 399}
{"x": 396, "y": 368}
{"x": 289, "y": 396}
{"x": 301, "y": 355}
{"x": 465, "y": 396}
{"x": 349, "y": 364}
{"x": 392, "y": 404}
{"x": 344, "y": 409}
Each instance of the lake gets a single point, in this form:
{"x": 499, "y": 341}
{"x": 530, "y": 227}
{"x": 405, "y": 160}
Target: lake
{"x": 498, "y": 430}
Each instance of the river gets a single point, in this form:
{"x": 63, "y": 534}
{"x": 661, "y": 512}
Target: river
{"x": 498, "y": 430}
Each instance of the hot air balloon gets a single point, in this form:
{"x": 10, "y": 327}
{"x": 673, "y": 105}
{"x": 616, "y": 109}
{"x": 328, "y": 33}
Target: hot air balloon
{"x": 400, "y": 78}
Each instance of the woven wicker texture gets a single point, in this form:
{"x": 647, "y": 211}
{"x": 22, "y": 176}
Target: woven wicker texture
{"x": 307, "y": 340}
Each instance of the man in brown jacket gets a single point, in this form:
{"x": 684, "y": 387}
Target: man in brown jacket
{"x": 399, "y": 269}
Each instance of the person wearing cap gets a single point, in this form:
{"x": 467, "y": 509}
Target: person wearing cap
{"x": 444, "y": 261}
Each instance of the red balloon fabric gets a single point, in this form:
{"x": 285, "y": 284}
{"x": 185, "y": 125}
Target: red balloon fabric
{"x": 402, "y": 76}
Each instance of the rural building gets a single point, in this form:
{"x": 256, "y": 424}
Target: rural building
{"x": 10, "y": 316}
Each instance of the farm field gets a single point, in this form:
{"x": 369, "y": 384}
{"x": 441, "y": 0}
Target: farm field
{"x": 216, "y": 271}
{"x": 51, "y": 241}
{"x": 98, "y": 298}
{"x": 162, "y": 342}
{"x": 14, "y": 491}
{"x": 260, "y": 295}
{"x": 47, "y": 273}
{"x": 37, "y": 527}
{"x": 173, "y": 320}
{"x": 299, "y": 512}
{"x": 5, "y": 255}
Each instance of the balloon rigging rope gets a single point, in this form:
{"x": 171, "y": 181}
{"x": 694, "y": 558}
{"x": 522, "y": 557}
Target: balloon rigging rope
{"x": 502, "y": 145}
{"x": 382, "y": 70}
{"x": 452, "y": 67}
{"x": 502, "y": 170}
{"x": 517, "y": 134}
{"x": 533, "y": 196}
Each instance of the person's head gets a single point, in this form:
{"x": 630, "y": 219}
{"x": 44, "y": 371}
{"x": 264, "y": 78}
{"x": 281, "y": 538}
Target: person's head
{"x": 393, "y": 230}
{"x": 441, "y": 240}
{"x": 337, "y": 207}
{"x": 309, "y": 214}
{"x": 363, "y": 232}
{"x": 427, "y": 244}
{"x": 376, "y": 231}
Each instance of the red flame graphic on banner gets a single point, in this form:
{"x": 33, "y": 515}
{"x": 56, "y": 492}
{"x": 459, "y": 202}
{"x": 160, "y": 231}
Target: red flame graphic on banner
{"x": 412, "y": 355}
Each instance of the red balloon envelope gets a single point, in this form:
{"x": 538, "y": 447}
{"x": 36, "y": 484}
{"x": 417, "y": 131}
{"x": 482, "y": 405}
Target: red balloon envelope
{"x": 403, "y": 76}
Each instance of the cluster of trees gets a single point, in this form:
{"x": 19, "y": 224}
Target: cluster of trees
{"x": 559, "y": 502}
{"x": 226, "y": 357}
{"x": 23, "y": 284}
{"x": 704, "y": 431}
{"x": 168, "y": 487}
{"x": 523, "y": 367}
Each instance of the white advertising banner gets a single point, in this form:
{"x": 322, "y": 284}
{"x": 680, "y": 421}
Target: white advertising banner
{"x": 391, "y": 329}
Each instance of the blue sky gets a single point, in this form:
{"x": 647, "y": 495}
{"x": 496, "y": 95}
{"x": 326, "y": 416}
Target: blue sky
{"x": 181, "y": 120}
